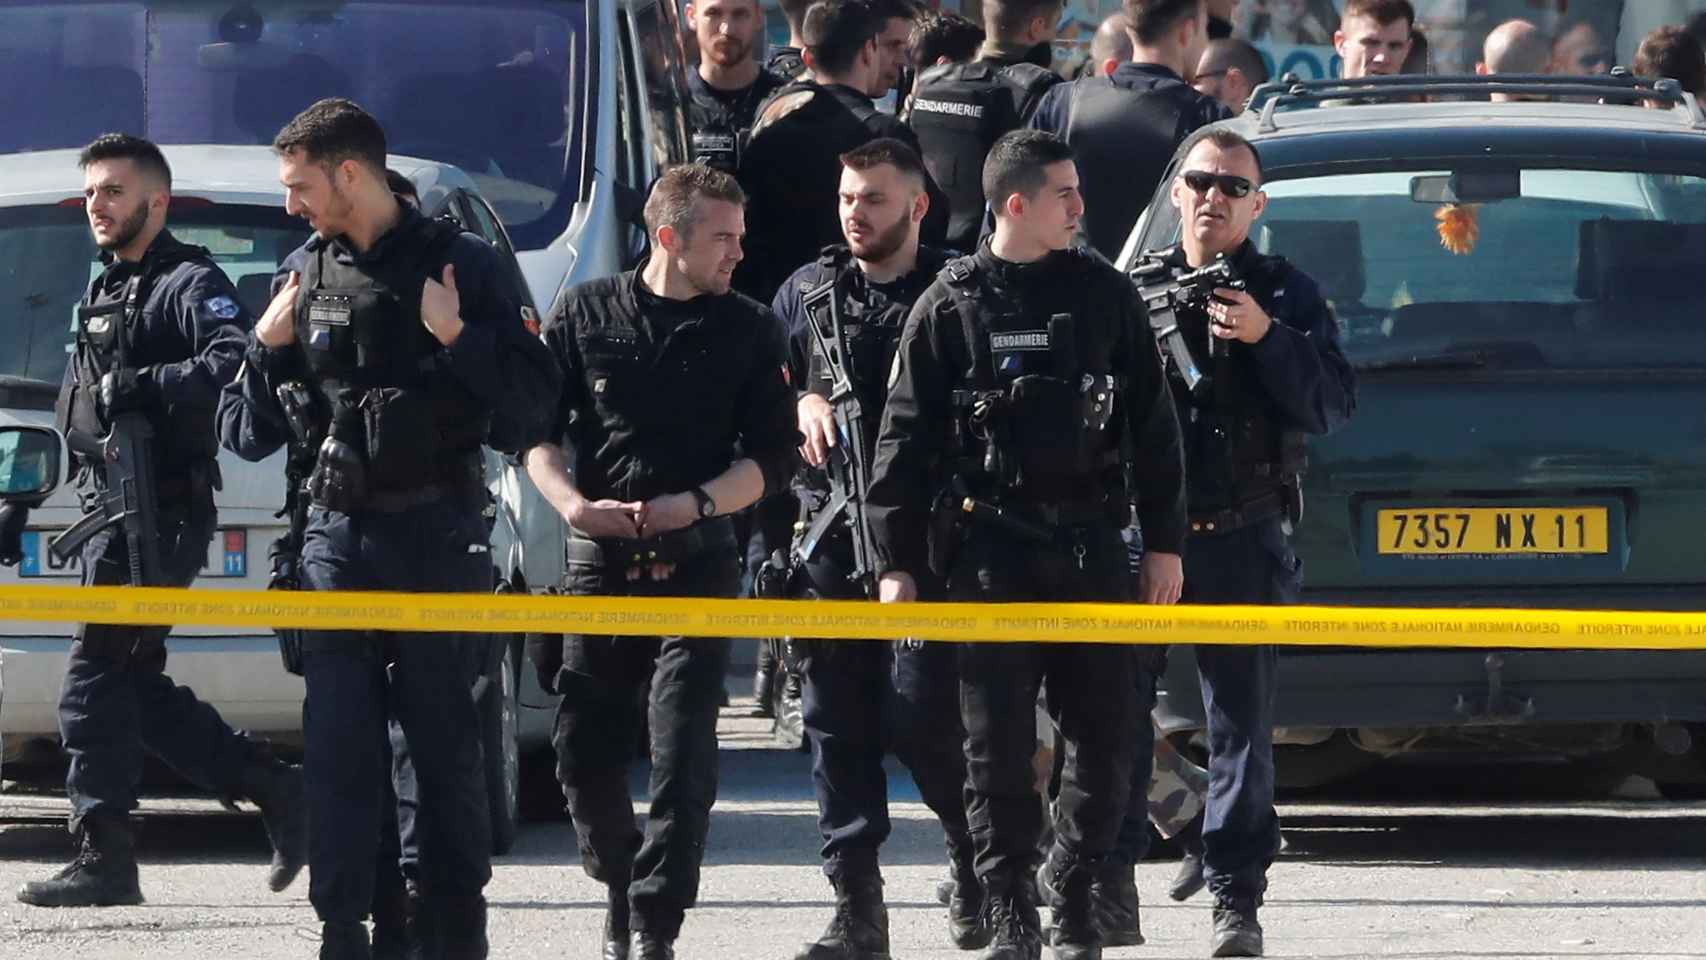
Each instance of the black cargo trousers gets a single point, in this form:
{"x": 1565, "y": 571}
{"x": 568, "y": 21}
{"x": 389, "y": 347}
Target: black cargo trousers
{"x": 601, "y": 678}
{"x": 1093, "y": 696}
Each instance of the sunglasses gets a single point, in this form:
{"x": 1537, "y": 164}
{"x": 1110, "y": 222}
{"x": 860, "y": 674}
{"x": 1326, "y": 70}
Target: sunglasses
{"x": 1229, "y": 185}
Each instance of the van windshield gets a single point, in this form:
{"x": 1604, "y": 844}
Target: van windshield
{"x": 490, "y": 86}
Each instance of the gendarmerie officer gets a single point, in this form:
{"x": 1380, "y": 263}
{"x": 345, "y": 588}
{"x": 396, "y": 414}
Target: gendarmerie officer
{"x": 674, "y": 414}
{"x": 787, "y": 62}
{"x": 1282, "y": 376}
{"x": 401, "y": 343}
{"x": 857, "y": 697}
{"x": 959, "y": 109}
{"x": 1125, "y": 126}
{"x": 157, "y": 333}
{"x": 1026, "y": 415}
{"x": 728, "y": 85}
{"x": 855, "y": 49}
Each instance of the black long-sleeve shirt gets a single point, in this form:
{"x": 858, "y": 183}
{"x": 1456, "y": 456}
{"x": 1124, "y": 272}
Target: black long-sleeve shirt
{"x": 934, "y": 361}
{"x": 660, "y": 396}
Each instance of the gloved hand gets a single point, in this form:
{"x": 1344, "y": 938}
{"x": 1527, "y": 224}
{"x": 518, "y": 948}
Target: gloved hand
{"x": 125, "y": 390}
{"x": 12, "y": 520}
{"x": 546, "y": 652}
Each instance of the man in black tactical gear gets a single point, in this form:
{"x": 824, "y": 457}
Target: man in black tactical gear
{"x": 787, "y": 63}
{"x": 960, "y": 109}
{"x": 856, "y": 49}
{"x": 1276, "y": 375}
{"x": 844, "y": 315}
{"x": 1027, "y": 417}
{"x": 645, "y": 470}
{"x": 404, "y": 339}
{"x": 728, "y": 85}
{"x": 1125, "y": 126}
{"x": 157, "y": 333}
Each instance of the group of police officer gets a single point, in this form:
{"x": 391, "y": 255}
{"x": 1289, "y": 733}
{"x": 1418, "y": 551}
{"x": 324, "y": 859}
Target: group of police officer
{"x": 988, "y": 428}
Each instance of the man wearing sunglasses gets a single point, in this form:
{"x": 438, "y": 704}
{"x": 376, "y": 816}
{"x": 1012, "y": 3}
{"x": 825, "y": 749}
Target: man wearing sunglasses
{"x": 1276, "y": 376}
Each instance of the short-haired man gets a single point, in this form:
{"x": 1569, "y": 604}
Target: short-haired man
{"x": 1110, "y": 46}
{"x": 646, "y": 470}
{"x": 787, "y": 63}
{"x": 727, "y": 86}
{"x": 960, "y": 109}
{"x": 159, "y": 330}
{"x": 856, "y": 50}
{"x": 1022, "y": 391}
{"x": 940, "y": 38}
{"x": 1124, "y": 127}
{"x": 405, "y": 339}
{"x": 1280, "y": 377}
{"x": 858, "y": 696}
{"x": 1373, "y": 37}
{"x": 1579, "y": 50}
{"x": 1671, "y": 52}
{"x": 1515, "y": 46}
{"x": 1229, "y": 71}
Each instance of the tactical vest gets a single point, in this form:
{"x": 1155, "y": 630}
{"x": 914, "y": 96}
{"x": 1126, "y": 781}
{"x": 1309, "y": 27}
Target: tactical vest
{"x": 719, "y": 130}
{"x": 377, "y": 368}
{"x": 1236, "y": 449}
{"x": 872, "y": 330}
{"x": 959, "y": 110}
{"x": 786, "y": 64}
{"x": 1123, "y": 140}
{"x": 1038, "y": 422}
{"x": 108, "y": 323}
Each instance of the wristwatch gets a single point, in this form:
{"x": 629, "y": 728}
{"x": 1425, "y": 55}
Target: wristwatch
{"x": 707, "y": 506}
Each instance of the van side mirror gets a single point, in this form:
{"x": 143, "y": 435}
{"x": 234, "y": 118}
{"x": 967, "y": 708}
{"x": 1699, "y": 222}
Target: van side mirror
{"x": 31, "y": 461}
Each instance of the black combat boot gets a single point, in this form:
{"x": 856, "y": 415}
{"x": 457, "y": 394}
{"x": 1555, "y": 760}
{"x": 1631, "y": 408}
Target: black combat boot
{"x": 425, "y": 929}
{"x": 616, "y": 923}
{"x": 1113, "y": 904}
{"x": 1236, "y": 932}
{"x": 764, "y": 680}
{"x": 860, "y": 928}
{"x": 1064, "y": 884}
{"x": 1189, "y": 879}
{"x": 390, "y": 919}
{"x": 790, "y": 726}
{"x": 343, "y": 941}
{"x": 968, "y": 923}
{"x": 103, "y": 874}
{"x": 462, "y": 927}
{"x": 650, "y": 946}
{"x": 1010, "y": 900}
{"x": 276, "y": 789}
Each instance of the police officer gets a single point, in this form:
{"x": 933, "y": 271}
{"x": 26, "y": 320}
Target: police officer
{"x": 959, "y": 109}
{"x": 855, "y": 49}
{"x": 1281, "y": 376}
{"x": 1026, "y": 416}
{"x": 787, "y": 63}
{"x": 849, "y": 687}
{"x": 1125, "y": 126}
{"x": 645, "y": 470}
{"x": 404, "y": 341}
{"x": 728, "y": 86}
{"x": 157, "y": 333}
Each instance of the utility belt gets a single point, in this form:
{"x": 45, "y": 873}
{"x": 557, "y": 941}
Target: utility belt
{"x": 186, "y": 483}
{"x": 339, "y": 482}
{"x": 1054, "y": 524}
{"x": 1286, "y": 501}
{"x": 673, "y": 547}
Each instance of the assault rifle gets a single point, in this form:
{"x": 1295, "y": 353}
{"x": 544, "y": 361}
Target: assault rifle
{"x": 1166, "y": 288}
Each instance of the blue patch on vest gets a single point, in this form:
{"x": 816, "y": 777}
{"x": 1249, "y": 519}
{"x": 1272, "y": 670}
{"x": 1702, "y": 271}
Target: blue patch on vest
{"x": 224, "y": 308}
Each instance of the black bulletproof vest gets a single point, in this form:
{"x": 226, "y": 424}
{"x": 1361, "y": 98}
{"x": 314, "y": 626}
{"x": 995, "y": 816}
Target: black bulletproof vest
{"x": 959, "y": 110}
{"x": 1236, "y": 449}
{"x": 110, "y": 326}
{"x": 786, "y": 64}
{"x": 720, "y": 127}
{"x": 377, "y": 367}
{"x": 1123, "y": 139}
{"x": 1039, "y": 421}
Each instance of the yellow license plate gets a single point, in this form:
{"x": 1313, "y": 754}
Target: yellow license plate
{"x": 1492, "y": 531}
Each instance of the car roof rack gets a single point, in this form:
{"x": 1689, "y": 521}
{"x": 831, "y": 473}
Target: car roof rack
{"x": 1619, "y": 86}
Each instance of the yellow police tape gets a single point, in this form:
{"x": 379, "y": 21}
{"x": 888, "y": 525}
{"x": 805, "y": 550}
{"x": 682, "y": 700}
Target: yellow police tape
{"x": 832, "y": 619}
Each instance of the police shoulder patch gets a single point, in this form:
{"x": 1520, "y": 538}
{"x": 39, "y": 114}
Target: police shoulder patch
{"x": 781, "y": 106}
{"x": 223, "y": 307}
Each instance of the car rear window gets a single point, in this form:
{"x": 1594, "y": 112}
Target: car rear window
{"x": 1533, "y": 268}
{"x": 47, "y": 260}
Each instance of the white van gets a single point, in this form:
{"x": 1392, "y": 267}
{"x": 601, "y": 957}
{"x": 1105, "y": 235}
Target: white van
{"x": 560, "y": 112}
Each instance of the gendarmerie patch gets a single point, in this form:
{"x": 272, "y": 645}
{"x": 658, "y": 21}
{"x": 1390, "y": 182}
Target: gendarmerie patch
{"x": 1019, "y": 341}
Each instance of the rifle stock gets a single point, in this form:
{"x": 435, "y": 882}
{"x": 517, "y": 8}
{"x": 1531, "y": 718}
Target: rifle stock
{"x": 127, "y": 497}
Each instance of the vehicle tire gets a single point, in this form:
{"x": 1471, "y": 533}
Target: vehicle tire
{"x": 502, "y": 750}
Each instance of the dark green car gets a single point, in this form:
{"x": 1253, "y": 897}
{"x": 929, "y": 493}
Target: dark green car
{"x": 1531, "y": 422}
